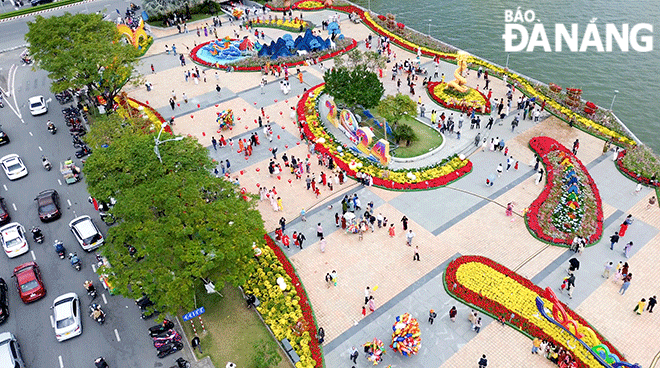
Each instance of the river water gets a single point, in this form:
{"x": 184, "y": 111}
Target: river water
{"x": 477, "y": 27}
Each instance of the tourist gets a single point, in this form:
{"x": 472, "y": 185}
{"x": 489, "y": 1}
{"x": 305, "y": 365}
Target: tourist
{"x": 640, "y": 306}
{"x": 536, "y": 344}
{"x": 416, "y": 254}
{"x": 319, "y": 230}
{"x": 608, "y": 269}
{"x": 500, "y": 169}
{"x": 483, "y": 363}
{"x": 392, "y": 230}
{"x": 652, "y": 302}
{"x": 432, "y": 316}
{"x": 614, "y": 239}
{"x": 477, "y": 325}
{"x": 354, "y": 355}
{"x": 404, "y": 220}
{"x": 627, "y": 248}
{"x": 452, "y": 313}
{"x": 626, "y": 283}
{"x": 539, "y": 175}
{"x": 652, "y": 202}
{"x": 409, "y": 237}
{"x": 624, "y": 226}
{"x": 322, "y": 244}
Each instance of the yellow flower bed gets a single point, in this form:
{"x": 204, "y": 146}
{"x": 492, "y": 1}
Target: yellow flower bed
{"x": 145, "y": 112}
{"x": 511, "y": 294}
{"x": 295, "y": 23}
{"x": 472, "y": 99}
{"x": 309, "y": 5}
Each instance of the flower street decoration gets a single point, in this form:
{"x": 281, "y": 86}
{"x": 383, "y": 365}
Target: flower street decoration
{"x": 639, "y": 164}
{"x": 285, "y": 310}
{"x": 511, "y": 298}
{"x": 309, "y": 5}
{"x": 406, "y": 336}
{"x": 284, "y": 24}
{"x": 130, "y": 108}
{"x": 437, "y": 175}
{"x": 474, "y": 99}
{"x": 570, "y": 204}
{"x": 261, "y": 62}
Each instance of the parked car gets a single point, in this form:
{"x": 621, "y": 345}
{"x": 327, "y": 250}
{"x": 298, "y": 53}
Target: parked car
{"x": 13, "y": 166}
{"x": 4, "y": 304}
{"x": 38, "y": 105}
{"x": 39, "y": 2}
{"x": 4, "y": 138}
{"x": 28, "y": 282}
{"x": 10, "y": 351}
{"x": 4, "y": 212}
{"x": 66, "y": 316}
{"x": 86, "y": 232}
{"x": 48, "y": 205}
{"x": 13, "y": 239}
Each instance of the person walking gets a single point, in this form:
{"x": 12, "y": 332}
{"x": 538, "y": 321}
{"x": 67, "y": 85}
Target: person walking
{"x": 539, "y": 175}
{"x": 536, "y": 343}
{"x": 626, "y": 283}
{"x": 627, "y": 248}
{"x": 570, "y": 286}
{"x": 608, "y": 269}
{"x": 416, "y": 254}
{"x": 483, "y": 362}
{"x": 322, "y": 244}
{"x": 372, "y": 304}
{"x": 354, "y": 355}
{"x": 614, "y": 239}
{"x": 319, "y": 230}
{"x": 652, "y": 302}
{"x": 500, "y": 169}
{"x": 214, "y": 143}
{"x": 282, "y": 223}
{"x": 432, "y": 316}
{"x": 301, "y": 239}
{"x": 404, "y": 220}
{"x": 392, "y": 231}
{"x": 452, "y": 313}
{"x": 409, "y": 237}
{"x": 477, "y": 325}
{"x": 172, "y": 103}
{"x": 367, "y": 294}
{"x": 640, "y": 306}
{"x": 195, "y": 343}
{"x": 624, "y": 226}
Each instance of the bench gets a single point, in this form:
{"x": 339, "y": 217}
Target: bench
{"x": 289, "y": 350}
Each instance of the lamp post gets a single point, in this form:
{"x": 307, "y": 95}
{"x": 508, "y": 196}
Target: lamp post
{"x": 157, "y": 141}
{"x": 430, "y": 20}
{"x": 369, "y": 6}
{"x": 613, "y": 98}
{"x": 507, "y": 61}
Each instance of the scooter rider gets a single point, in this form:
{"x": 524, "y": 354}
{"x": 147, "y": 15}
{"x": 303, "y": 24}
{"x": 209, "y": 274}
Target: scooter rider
{"x": 36, "y": 233}
{"x": 97, "y": 313}
{"x": 59, "y": 247}
{"x": 89, "y": 286}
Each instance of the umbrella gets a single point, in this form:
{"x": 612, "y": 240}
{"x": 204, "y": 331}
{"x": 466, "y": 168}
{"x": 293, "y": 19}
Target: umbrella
{"x": 349, "y": 216}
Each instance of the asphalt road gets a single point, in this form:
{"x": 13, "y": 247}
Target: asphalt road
{"x": 123, "y": 339}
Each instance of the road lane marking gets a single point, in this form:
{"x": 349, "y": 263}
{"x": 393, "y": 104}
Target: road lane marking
{"x": 104, "y": 299}
{"x": 93, "y": 267}
{"x": 31, "y": 135}
{"x": 5, "y": 187}
{"x": 58, "y": 180}
{"x": 34, "y": 258}
{"x": 61, "y": 362}
{"x": 41, "y": 149}
{"x": 69, "y": 202}
{"x": 14, "y": 205}
{"x": 117, "y": 334}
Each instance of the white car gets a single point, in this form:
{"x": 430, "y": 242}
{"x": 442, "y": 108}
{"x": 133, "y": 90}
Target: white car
{"x": 86, "y": 232}
{"x": 66, "y": 316}
{"x": 38, "y": 105}
{"x": 13, "y": 239}
{"x": 10, "y": 351}
{"x": 13, "y": 166}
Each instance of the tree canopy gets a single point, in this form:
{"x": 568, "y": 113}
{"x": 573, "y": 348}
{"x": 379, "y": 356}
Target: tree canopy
{"x": 393, "y": 108}
{"x": 82, "y": 50}
{"x": 354, "y": 86}
{"x": 177, "y": 223}
{"x": 370, "y": 59}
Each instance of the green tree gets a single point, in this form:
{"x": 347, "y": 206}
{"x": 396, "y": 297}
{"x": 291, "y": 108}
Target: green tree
{"x": 393, "y": 108}
{"x": 184, "y": 223}
{"x": 370, "y": 59}
{"x": 82, "y": 51}
{"x": 404, "y": 132}
{"x": 108, "y": 128}
{"x": 357, "y": 86}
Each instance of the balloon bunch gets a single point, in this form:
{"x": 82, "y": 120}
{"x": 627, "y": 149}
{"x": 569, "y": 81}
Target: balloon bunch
{"x": 406, "y": 338}
{"x": 375, "y": 350}
{"x": 225, "y": 119}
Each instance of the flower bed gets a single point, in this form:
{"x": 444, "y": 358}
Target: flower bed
{"x": 282, "y": 310}
{"x": 309, "y": 5}
{"x": 640, "y": 165}
{"x": 130, "y": 108}
{"x": 290, "y": 26}
{"x": 256, "y": 63}
{"x": 570, "y": 204}
{"x": 438, "y": 175}
{"x": 474, "y": 99}
{"x": 502, "y": 293}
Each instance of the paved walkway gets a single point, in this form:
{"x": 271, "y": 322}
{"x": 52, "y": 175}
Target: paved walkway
{"x": 466, "y": 217}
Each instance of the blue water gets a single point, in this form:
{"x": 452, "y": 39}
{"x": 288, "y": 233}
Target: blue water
{"x": 478, "y": 26}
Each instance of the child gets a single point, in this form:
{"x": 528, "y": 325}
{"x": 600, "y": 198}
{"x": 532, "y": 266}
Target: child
{"x": 432, "y": 316}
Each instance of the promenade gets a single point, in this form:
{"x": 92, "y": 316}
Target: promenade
{"x": 464, "y": 218}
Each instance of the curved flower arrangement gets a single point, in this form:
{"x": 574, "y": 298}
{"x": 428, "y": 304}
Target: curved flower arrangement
{"x": 291, "y": 26}
{"x": 570, "y": 203}
{"x": 281, "y": 310}
{"x": 330, "y": 55}
{"x": 503, "y": 294}
{"x": 443, "y": 173}
{"x": 309, "y": 5}
{"x": 620, "y": 164}
{"x": 475, "y": 99}
{"x": 129, "y": 107}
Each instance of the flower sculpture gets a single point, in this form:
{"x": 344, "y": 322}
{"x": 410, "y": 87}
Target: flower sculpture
{"x": 570, "y": 204}
{"x": 472, "y": 99}
{"x": 515, "y": 300}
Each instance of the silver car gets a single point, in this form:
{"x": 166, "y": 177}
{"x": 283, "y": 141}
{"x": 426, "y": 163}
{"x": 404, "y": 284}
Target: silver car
{"x": 86, "y": 232}
{"x": 10, "y": 351}
{"x": 66, "y": 317}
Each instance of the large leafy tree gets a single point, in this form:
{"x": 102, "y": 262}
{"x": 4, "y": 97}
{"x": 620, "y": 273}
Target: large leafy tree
{"x": 356, "y": 86}
{"x": 177, "y": 223}
{"x": 370, "y": 59}
{"x": 82, "y": 50}
{"x": 393, "y": 109}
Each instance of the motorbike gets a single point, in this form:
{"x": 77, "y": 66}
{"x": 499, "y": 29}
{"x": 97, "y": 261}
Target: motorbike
{"x": 159, "y": 329}
{"x": 45, "y": 163}
{"x": 37, "y": 235}
{"x": 59, "y": 248}
{"x": 84, "y": 151}
{"x": 77, "y": 142}
{"x": 2, "y": 104}
{"x": 134, "y": 7}
{"x": 97, "y": 313}
{"x": 91, "y": 290}
{"x": 75, "y": 261}
{"x": 166, "y": 338}
{"x": 100, "y": 363}
{"x": 182, "y": 363}
{"x": 51, "y": 127}
{"x": 169, "y": 348}
{"x": 107, "y": 218}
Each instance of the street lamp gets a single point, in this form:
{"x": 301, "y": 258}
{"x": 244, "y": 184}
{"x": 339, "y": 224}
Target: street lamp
{"x": 613, "y": 98}
{"x": 157, "y": 141}
{"x": 430, "y": 20}
{"x": 507, "y": 61}
{"x": 369, "y": 6}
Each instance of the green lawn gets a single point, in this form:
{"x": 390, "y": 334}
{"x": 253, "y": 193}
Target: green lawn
{"x": 429, "y": 139}
{"x": 232, "y": 329}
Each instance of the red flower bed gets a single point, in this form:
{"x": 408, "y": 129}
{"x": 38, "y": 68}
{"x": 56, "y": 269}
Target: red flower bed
{"x": 632, "y": 175}
{"x": 304, "y": 302}
{"x": 135, "y": 112}
{"x": 430, "y": 86}
{"x": 543, "y": 146}
{"x": 193, "y": 56}
{"x": 497, "y": 310}
{"x": 433, "y": 183}
{"x": 381, "y": 17}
